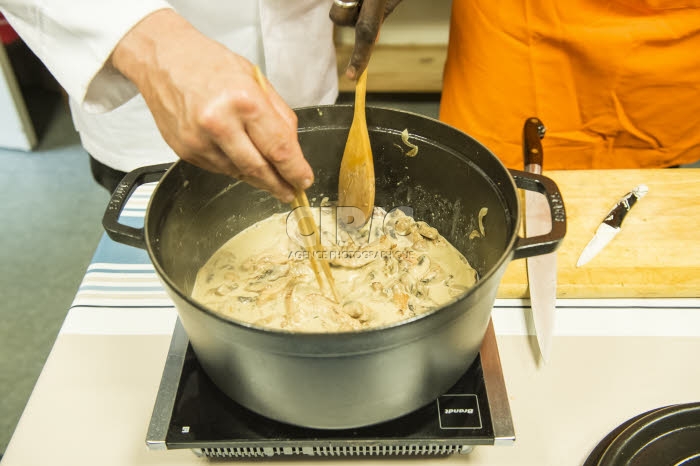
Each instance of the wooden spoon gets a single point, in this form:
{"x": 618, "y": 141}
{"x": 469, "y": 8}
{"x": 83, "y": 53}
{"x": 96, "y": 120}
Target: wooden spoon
{"x": 356, "y": 184}
{"x": 310, "y": 232}
{"x": 307, "y": 225}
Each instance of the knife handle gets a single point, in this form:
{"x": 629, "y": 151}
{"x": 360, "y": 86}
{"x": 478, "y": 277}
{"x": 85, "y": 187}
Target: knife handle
{"x": 533, "y": 132}
{"x": 618, "y": 213}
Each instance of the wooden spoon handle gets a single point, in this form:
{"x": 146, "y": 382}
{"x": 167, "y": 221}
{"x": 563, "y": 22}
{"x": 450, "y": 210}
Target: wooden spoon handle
{"x": 312, "y": 238}
{"x": 306, "y": 222}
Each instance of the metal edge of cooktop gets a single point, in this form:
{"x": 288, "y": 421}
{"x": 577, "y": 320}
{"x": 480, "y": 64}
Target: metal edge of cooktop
{"x": 501, "y": 417}
{"x": 502, "y": 421}
{"x": 167, "y": 392}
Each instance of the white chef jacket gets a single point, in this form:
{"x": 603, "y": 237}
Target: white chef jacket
{"x": 291, "y": 40}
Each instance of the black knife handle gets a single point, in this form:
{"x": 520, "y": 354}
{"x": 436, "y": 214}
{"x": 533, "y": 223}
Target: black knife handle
{"x": 617, "y": 214}
{"x": 533, "y": 132}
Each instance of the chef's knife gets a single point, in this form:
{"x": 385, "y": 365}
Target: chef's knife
{"x": 541, "y": 270}
{"x": 610, "y": 226}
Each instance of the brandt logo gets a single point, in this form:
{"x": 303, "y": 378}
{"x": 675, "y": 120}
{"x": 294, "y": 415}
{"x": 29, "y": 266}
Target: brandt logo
{"x": 459, "y": 411}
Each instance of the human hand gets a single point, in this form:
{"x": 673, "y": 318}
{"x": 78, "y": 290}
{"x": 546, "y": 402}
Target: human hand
{"x": 210, "y": 108}
{"x": 367, "y": 17}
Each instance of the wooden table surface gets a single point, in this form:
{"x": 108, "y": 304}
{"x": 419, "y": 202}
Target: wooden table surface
{"x": 656, "y": 253}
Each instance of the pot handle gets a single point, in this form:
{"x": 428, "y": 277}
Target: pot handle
{"x": 549, "y": 242}
{"x": 119, "y": 232}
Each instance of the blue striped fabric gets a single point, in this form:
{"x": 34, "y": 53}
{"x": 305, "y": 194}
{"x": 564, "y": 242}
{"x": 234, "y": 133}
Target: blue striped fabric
{"x": 121, "y": 276}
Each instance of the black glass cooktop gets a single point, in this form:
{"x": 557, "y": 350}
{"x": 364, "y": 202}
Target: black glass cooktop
{"x": 191, "y": 412}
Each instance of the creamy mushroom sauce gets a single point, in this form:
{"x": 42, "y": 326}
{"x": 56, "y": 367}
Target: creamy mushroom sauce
{"x": 392, "y": 269}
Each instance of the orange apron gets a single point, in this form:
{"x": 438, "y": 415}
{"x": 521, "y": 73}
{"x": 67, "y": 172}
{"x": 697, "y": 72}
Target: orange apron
{"x": 616, "y": 83}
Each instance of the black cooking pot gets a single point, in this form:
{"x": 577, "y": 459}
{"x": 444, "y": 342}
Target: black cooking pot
{"x": 350, "y": 379}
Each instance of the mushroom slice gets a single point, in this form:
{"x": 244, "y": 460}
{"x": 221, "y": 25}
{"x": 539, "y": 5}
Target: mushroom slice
{"x": 266, "y": 277}
{"x": 422, "y": 266}
{"x": 404, "y": 225}
{"x": 357, "y": 310}
{"x": 414, "y": 148}
{"x": 400, "y": 297}
{"x": 272, "y": 290}
{"x": 359, "y": 257}
{"x": 482, "y": 214}
{"x": 421, "y": 245}
{"x": 408, "y": 281}
{"x": 259, "y": 263}
{"x": 351, "y": 259}
{"x": 427, "y": 231}
{"x": 225, "y": 289}
{"x": 272, "y": 271}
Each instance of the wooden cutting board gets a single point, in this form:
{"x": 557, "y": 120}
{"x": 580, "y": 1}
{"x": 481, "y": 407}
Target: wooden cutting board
{"x": 656, "y": 253}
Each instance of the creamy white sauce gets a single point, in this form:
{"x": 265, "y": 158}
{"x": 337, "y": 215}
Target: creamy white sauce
{"x": 392, "y": 269}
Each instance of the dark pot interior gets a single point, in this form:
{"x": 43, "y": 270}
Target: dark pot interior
{"x": 193, "y": 212}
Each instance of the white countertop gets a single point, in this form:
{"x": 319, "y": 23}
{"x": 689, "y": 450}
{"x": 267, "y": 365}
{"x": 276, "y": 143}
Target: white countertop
{"x": 611, "y": 360}
{"x": 93, "y": 401}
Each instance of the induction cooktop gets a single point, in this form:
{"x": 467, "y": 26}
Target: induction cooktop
{"x": 191, "y": 412}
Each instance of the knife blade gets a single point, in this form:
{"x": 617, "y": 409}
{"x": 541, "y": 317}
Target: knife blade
{"x": 610, "y": 226}
{"x": 541, "y": 270}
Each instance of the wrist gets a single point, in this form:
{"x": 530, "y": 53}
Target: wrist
{"x": 141, "y": 48}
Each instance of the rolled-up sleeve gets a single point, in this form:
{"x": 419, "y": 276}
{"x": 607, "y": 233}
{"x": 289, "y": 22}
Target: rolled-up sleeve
{"x": 75, "y": 38}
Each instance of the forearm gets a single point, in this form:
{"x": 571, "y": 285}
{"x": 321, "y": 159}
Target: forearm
{"x": 156, "y": 38}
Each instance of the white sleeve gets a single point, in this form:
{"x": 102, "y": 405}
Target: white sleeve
{"x": 75, "y": 38}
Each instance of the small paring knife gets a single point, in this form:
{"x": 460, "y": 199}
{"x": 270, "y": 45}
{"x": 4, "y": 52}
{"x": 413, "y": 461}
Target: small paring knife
{"x": 610, "y": 226}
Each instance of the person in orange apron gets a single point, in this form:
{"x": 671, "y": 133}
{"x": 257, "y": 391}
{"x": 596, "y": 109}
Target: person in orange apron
{"x": 617, "y": 83}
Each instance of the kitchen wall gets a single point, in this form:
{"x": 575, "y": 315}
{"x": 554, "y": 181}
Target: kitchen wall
{"x": 410, "y": 54}
{"x": 413, "y": 22}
